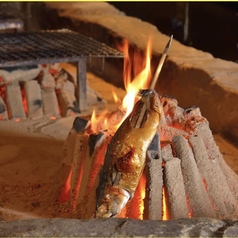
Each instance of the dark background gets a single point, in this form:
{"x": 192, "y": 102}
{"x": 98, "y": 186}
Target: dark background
{"x": 211, "y": 26}
{"x": 208, "y": 26}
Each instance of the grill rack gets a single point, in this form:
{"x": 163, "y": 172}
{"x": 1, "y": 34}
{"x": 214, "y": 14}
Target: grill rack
{"x": 29, "y": 48}
{"x": 33, "y": 48}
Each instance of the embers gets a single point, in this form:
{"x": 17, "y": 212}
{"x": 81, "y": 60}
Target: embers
{"x": 186, "y": 178}
{"x": 34, "y": 48}
{"x": 36, "y": 93}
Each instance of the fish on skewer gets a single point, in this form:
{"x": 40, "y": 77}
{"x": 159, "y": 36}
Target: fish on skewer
{"x": 126, "y": 154}
{"x": 125, "y": 158}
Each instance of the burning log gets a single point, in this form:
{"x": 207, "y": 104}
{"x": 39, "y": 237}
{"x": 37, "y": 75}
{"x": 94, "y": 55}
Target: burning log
{"x": 22, "y": 74}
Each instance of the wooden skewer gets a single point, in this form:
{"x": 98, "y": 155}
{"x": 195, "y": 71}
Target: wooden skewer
{"x": 155, "y": 78}
{"x": 161, "y": 63}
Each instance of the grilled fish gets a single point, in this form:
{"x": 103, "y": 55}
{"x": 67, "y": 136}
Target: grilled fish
{"x": 126, "y": 154}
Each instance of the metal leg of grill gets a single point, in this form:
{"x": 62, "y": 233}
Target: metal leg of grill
{"x": 82, "y": 84}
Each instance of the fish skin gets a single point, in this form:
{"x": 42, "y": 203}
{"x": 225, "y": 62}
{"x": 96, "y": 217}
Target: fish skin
{"x": 125, "y": 157}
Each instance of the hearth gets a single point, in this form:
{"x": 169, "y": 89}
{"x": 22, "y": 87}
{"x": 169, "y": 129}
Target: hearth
{"x": 32, "y": 178}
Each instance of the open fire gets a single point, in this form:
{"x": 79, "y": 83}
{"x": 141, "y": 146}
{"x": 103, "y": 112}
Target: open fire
{"x": 184, "y": 175}
{"x": 40, "y": 91}
{"x": 40, "y": 88}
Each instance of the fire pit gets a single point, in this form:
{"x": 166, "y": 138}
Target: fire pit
{"x": 28, "y": 180}
{"x": 188, "y": 179}
{"x": 182, "y": 128}
{"x": 183, "y": 169}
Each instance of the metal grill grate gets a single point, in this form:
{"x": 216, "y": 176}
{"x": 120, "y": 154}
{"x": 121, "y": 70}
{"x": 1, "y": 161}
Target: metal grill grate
{"x": 20, "y": 49}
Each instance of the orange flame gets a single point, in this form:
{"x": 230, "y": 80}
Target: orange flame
{"x": 97, "y": 162}
{"x": 136, "y": 205}
{"x": 65, "y": 193}
{"x": 98, "y": 123}
{"x": 142, "y": 187}
{"x": 24, "y": 101}
{"x": 93, "y": 121}
{"x": 52, "y": 118}
{"x": 115, "y": 97}
{"x": 190, "y": 212}
{"x": 79, "y": 181}
{"x": 141, "y": 81}
{"x": 165, "y": 210}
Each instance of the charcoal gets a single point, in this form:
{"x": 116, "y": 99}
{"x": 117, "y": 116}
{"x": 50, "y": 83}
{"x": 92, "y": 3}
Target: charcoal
{"x": 199, "y": 202}
{"x": 34, "y": 100}
{"x": 79, "y": 124}
{"x": 154, "y": 178}
{"x": 93, "y": 138}
{"x": 66, "y": 93}
{"x": 219, "y": 192}
{"x": 14, "y": 104}
{"x": 3, "y": 110}
{"x": 175, "y": 190}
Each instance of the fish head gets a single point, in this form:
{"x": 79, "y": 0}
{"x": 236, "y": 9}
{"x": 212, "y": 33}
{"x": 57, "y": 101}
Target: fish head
{"x": 151, "y": 98}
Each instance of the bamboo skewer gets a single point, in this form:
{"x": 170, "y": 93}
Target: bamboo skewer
{"x": 155, "y": 78}
{"x": 161, "y": 63}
